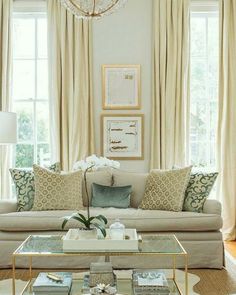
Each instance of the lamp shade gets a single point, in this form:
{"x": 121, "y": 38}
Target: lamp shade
{"x": 8, "y": 132}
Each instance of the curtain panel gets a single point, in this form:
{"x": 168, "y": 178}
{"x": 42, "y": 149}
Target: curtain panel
{"x": 70, "y": 85}
{"x": 226, "y": 145}
{"x": 170, "y": 100}
{"x": 5, "y": 95}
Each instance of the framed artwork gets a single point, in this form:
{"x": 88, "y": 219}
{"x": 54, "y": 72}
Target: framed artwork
{"x": 121, "y": 87}
{"x": 122, "y": 136}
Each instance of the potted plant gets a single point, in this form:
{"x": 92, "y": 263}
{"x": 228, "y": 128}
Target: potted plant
{"x": 88, "y": 222}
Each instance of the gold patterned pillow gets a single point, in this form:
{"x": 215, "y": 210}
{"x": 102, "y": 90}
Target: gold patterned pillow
{"x": 165, "y": 189}
{"x": 57, "y": 191}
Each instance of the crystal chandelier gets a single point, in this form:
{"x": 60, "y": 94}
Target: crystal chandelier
{"x": 92, "y": 8}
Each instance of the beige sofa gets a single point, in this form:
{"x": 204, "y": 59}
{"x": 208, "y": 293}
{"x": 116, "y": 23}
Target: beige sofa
{"x": 198, "y": 232}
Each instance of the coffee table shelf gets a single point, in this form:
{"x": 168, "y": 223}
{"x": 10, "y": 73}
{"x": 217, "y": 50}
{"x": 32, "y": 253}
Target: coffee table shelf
{"x": 124, "y": 286}
{"x": 52, "y": 246}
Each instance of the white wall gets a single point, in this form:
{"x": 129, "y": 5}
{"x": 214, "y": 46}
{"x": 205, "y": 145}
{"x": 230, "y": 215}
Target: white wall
{"x": 124, "y": 37}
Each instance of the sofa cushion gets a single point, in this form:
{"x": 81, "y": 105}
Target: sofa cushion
{"x": 165, "y": 189}
{"x": 142, "y": 220}
{"x": 24, "y": 183}
{"x": 55, "y": 191}
{"x": 103, "y": 177}
{"x": 138, "y": 182}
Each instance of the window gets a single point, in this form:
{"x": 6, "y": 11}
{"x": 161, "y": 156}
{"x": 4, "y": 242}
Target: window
{"x": 204, "y": 87}
{"x": 30, "y": 88}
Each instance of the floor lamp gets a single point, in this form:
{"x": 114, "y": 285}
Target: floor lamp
{"x": 7, "y": 128}
{"x": 8, "y": 133}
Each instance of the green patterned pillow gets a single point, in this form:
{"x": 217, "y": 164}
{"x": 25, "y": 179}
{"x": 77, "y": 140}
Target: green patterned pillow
{"x": 24, "y": 183}
{"x": 198, "y": 189}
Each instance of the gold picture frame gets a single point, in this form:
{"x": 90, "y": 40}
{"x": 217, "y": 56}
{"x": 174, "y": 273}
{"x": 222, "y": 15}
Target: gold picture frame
{"x": 122, "y": 136}
{"x": 121, "y": 88}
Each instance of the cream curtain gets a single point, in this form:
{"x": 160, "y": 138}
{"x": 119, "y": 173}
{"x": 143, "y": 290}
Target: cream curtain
{"x": 71, "y": 93}
{"x": 170, "y": 102}
{"x": 5, "y": 97}
{"x": 226, "y": 153}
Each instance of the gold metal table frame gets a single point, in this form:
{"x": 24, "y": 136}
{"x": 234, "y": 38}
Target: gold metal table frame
{"x": 107, "y": 254}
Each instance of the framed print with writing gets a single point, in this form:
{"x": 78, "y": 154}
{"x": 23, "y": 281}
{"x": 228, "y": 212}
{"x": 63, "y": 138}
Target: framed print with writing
{"x": 122, "y": 136}
{"x": 121, "y": 87}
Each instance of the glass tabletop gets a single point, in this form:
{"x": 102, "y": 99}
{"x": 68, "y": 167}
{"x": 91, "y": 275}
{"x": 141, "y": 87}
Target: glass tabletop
{"x": 53, "y": 245}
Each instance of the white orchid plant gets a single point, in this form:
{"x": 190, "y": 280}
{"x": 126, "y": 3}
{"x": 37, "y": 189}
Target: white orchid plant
{"x": 91, "y": 163}
{"x": 95, "y": 163}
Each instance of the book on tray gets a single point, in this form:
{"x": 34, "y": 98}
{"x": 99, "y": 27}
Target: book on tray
{"x": 148, "y": 282}
{"x": 52, "y": 283}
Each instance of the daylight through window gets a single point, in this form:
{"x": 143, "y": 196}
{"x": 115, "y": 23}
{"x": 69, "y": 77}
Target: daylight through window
{"x": 204, "y": 87}
{"x": 30, "y": 88}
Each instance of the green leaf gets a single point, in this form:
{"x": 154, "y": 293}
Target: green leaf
{"x": 64, "y": 223}
{"x": 75, "y": 217}
{"x": 83, "y": 217}
{"x": 101, "y": 218}
{"x": 101, "y": 228}
{"x": 91, "y": 218}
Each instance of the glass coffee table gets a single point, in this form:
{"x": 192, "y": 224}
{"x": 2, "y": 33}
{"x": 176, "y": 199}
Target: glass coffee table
{"x": 51, "y": 246}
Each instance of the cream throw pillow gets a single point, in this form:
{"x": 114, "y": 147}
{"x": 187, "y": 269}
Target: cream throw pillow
{"x": 165, "y": 189}
{"x": 55, "y": 191}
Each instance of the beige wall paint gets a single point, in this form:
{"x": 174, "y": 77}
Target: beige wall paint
{"x": 124, "y": 37}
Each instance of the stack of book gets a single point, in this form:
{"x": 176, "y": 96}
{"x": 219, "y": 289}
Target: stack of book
{"x": 56, "y": 283}
{"x": 150, "y": 282}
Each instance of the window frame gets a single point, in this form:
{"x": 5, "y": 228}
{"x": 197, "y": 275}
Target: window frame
{"x": 204, "y": 9}
{"x": 21, "y": 11}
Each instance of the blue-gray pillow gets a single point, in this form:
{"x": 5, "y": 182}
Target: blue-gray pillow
{"x": 198, "y": 189}
{"x": 111, "y": 196}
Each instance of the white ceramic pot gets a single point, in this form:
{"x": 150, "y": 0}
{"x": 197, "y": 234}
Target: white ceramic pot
{"x": 87, "y": 234}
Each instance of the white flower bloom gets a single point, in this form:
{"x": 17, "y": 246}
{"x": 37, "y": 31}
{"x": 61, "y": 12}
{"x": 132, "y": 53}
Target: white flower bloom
{"x": 95, "y": 163}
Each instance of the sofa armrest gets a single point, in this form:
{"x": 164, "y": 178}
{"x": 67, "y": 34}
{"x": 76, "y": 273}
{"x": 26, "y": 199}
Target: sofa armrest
{"x": 8, "y": 206}
{"x": 212, "y": 207}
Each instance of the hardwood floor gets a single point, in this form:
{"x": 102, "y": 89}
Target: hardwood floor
{"x": 231, "y": 248}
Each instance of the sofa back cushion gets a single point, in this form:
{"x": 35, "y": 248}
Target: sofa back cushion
{"x": 136, "y": 180}
{"x": 102, "y": 177}
{"x": 165, "y": 189}
{"x": 57, "y": 191}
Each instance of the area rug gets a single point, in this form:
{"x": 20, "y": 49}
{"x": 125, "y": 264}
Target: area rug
{"x": 6, "y": 285}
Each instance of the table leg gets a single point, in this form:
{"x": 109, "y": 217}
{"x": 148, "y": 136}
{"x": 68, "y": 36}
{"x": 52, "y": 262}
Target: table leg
{"x": 107, "y": 258}
{"x": 30, "y": 272}
{"x": 174, "y": 266}
{"x": 186, "y": 274}
{"x": 13, "y": 275}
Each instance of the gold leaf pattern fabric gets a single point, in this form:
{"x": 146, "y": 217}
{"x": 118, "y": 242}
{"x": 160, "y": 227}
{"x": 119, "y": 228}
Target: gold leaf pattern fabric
{"x": 57, "y": 191}
{"x": 165, "y": 189}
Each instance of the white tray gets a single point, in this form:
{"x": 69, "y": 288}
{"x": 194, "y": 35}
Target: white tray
{"x": 71, "y": 243}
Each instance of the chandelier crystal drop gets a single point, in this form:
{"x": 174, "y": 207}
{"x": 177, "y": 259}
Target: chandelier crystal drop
{"x": 89, "y": 9}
